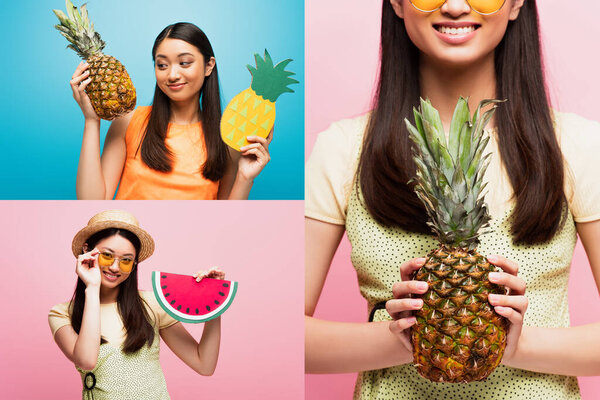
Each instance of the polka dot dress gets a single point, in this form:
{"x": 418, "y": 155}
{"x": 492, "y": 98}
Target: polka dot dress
{"x": 126, "y": 376}
{"x": 377, "y": 253}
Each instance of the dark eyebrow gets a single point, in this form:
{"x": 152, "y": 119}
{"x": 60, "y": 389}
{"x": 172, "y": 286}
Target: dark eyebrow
{"x": 112, "y": 251}
{"x": 179, "y": 55}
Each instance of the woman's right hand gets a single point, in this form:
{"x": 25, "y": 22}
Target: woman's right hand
{"x": 87, "y": 268}
{"x": 401, "y": 307}
{"x": 79, "y": 82}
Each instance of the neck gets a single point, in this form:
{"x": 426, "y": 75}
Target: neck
{"x": 108, "y": 295}
{"x": 185, "y": 112}
{"x": 443, "y": 85}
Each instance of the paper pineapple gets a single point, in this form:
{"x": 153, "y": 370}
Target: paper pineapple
{"x": 111, "y": 90}
{"x": 458, "y": 337}
{"x": 252, "y": 112}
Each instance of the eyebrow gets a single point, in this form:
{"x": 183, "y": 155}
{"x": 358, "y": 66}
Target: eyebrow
{"x": 112, "y": 251}
{"x": 178, "y": 55}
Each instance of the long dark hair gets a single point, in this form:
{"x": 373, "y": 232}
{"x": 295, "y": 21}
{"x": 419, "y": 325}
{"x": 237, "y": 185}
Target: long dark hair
{"x": 129, "y": 303}
{"x": 154, "y": 151}
{"x": 526, "y": 137}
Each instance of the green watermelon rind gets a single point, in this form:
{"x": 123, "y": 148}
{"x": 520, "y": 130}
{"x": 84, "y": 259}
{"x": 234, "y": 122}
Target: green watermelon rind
{"x": 184, "y": 317}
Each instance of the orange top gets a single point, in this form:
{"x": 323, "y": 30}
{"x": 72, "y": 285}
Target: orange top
{"x": 184, "y": 182}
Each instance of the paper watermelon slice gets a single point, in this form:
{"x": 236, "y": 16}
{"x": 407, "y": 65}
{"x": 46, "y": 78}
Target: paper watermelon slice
{"x": 189, "y": 301}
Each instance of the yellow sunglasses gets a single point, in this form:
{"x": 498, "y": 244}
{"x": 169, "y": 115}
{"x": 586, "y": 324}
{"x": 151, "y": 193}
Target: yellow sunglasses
{"x": 106, "y": 259}
{"x": 483, "y": 7}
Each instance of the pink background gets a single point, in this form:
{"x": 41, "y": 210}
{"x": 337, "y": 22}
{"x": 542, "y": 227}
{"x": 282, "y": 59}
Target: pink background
{"x": 342, "y": 39}
{"x": 259, "y": 244}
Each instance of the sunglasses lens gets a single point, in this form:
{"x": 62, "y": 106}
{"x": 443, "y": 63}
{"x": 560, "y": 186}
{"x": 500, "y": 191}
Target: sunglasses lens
{"x": 126, "y": 265}
{"x": 106, "y": 259}
{"x": 486, "y": 6}
{"x": 427, "y": 5}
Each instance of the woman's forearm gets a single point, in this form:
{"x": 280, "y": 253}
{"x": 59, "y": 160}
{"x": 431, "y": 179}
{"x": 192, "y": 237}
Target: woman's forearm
{"x": 87, "y": 346}
{"x": 90, "y": 180}
{"x": 208, "y": 347}
{"x": 562, "y": 351}
{"x": 342, "y": 347}
{"x": 241, "y": 188}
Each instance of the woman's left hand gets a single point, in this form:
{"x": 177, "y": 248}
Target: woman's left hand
{"x": 254, "y": 156}
{"x": 511, "y": 306}
{"x": 214, "y": 273}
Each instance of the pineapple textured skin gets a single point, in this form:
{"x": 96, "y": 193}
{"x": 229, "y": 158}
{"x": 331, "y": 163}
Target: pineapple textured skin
{"x": 458, "y": 337}
{"x": 111, "y": 91}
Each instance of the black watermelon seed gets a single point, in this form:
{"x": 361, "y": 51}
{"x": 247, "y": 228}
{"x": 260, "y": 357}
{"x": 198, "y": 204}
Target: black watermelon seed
{"x": 179, "y": 308}
{"x": 164, "y": 286}
{"x": 167, "y": 295}
{"x": 207, "y": 308}
{"x": 187, "y": 310}
{"x": 164, "y": 276}
{"x": 221, "y": 294}
{"x": 217, "y": 302}
{"x": 173, "y": 302}
{"x": 197, "y": 311}
{"x": 226, "y": 285}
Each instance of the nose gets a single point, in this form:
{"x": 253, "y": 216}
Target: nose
{"x": 173, "y": 74}
{"x": 455, "y": 8}
{"x": 114, "y": 267}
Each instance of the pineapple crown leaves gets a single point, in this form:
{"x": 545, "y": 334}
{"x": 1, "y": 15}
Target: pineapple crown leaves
{"x": 268, "y": 80}
{"x": 77, "y": 28}
{"x": 449, "y": 174}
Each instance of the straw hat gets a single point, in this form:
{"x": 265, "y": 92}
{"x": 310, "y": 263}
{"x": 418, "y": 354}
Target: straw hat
{"x": 114, "y": 219}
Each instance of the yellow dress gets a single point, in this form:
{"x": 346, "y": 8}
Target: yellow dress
{"x": 120, "y": 376}
{"x": 378, "y": 252}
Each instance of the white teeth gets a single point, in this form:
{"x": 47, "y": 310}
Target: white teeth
{"x": 455, "y": 31}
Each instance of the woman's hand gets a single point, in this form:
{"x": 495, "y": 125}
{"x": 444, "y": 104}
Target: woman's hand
{"x": 87, "y": 268}
{"x": 511, "y": 306}
{"x": 402, "y": 306}
{"x": 214, "y": 273}
{"x": 79, "y": 82}
{"x": 254, "y": 156}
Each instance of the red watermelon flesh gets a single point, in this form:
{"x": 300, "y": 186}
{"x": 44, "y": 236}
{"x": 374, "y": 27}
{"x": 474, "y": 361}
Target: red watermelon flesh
{"x": 189, "y": 301}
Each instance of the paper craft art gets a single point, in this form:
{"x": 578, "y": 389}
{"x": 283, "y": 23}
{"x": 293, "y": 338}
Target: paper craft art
{"x": 252, "y": 112}
{"x": 189, "y": 301}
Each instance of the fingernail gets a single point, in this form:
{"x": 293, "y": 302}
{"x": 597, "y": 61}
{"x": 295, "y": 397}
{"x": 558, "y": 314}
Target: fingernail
{"x": 493, "y": 298}
{"x": 494, "y": 276}
{"x": 411, "y": 320}
{"x": 421, "y": 261}
{"x": 492, "y": 259}
{"x": 421, "y": 285}
{"x": 416, "y": 303}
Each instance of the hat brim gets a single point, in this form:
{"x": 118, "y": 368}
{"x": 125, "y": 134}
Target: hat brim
{"x": 146, "y": 241}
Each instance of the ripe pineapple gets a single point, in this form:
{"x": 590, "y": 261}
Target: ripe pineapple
{"x": 458, "y": 337}
{"x": 111, "y": 90}
{"x": 252, "y": 112}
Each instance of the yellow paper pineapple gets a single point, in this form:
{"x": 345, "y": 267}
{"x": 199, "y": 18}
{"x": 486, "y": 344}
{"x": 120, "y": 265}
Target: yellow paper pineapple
{"x": 252, "y": 112}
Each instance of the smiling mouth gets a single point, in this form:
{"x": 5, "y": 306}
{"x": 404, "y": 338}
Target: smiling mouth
{"x": 176, "y": 85}
{"x": 110, "y": 276}
{"x": 450, "y": 30}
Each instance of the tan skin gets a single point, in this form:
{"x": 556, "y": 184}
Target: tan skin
{"x": 102, "y": 286}
{"x": 564, "y": 351}
{"x": 180, "y": 71}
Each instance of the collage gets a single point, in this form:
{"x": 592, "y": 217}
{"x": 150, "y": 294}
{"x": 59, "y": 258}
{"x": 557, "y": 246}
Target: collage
{"x": 300, "y": 199}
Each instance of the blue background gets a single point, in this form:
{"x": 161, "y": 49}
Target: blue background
{"x": 41, "y": 126}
